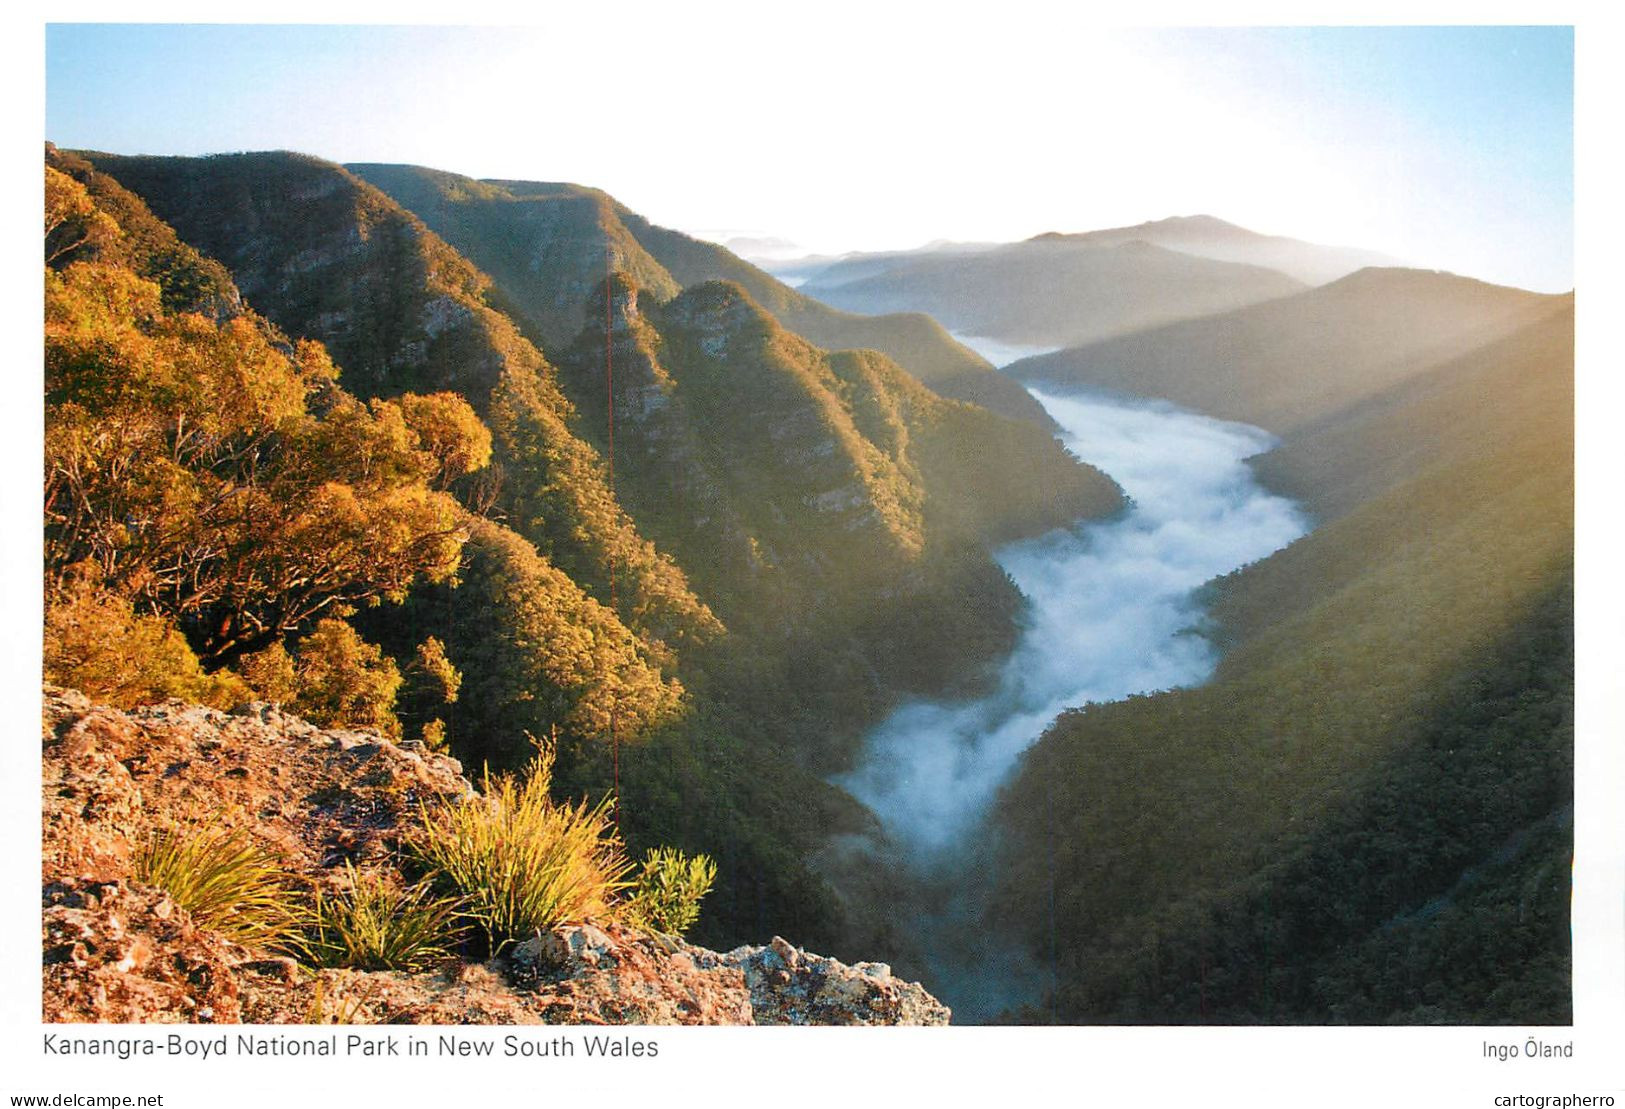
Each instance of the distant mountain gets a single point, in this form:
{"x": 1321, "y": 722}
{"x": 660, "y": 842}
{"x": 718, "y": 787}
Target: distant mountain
{"x": 1048, "y": 291}
{"x": 850, "y": 266}
{"x": 1499, "y": 390}
{"x": 1209, "y": 237}
{"x": 546, "y": 245}
{"x": 1284, "y": 364}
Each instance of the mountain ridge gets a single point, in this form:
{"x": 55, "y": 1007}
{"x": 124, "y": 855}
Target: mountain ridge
{"x": 480, "y": 221}
{"x": 1053, "y": 292}
{"x": 1285, "y": 363}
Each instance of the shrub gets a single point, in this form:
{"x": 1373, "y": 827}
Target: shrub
{"x": 97, "y": 643}
{"x": 344, "y": 681}
{"x": 226, "y": 882}
{"x": 666, "y": 894}
{"x": 523, "y": 862}
{"x": 271, "y": 674}
{"x": 378, "y": 925}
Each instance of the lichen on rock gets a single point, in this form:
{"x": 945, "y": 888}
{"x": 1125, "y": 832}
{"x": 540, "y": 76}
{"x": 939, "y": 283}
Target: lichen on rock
{"x": 329, "y": 803}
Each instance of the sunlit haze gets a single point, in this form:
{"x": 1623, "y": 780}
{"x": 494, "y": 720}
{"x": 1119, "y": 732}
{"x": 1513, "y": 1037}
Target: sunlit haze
{"x": 1447, "y": 147}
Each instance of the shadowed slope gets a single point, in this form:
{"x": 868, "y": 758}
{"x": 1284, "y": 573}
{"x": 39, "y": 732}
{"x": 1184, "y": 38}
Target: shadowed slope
{"x": 1208, "y": 237}
{"x": 545, "y": 245}
{"x": 1284, "y": 364}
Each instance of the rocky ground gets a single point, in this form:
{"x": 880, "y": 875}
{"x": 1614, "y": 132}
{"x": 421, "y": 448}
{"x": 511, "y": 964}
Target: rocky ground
{"x": 117, "y": 951}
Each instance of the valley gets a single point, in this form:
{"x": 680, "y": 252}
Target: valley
{"x": 1187, "y": 608}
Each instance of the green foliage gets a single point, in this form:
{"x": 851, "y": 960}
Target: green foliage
{"x": 97, "y": 643}
{"x": 228, "y": 883}
{"x": 535, "y": 654}
{"x": 666, "y": 894}
{"x": 272, "y": 674}
{"x": 343, "y": 680}
{"x": 450, "y": 433}
{"x": 376, "y": 924}
{"x": 1309, "y": 837}
{"x": 433, "y": 735}
{"x": 521, "y": 862}
{"x": 138, "y": 240}
{"x": 431, "y": 666}
{"x": 430, "y": 683}
{"x": 73, "y": 223}
{"x": 182, "y": 460}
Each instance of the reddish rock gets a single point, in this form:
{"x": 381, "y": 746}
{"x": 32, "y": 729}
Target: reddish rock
{"x": 117, "y": 951}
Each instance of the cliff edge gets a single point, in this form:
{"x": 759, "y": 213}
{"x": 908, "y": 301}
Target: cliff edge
{"x": 332, "y": 804}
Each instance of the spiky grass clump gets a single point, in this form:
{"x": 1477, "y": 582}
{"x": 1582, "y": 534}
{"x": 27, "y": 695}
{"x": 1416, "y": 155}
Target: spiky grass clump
{"x": 379, "y": 925}
{"x": 666, "y": 894}
{"x": 228, "y": 883}
{"x": 521, "y": 862}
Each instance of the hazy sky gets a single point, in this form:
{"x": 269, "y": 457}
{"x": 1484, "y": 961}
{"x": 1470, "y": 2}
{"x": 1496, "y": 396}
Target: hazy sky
{"x": 1448, "y": 147}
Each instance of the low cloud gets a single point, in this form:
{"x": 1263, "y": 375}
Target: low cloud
{"x": 1113, "y": 610}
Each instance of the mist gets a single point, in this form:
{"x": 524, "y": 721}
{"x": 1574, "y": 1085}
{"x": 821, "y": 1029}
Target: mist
{"x": 1113, "y": 610}
{"x": 999, "y": 352}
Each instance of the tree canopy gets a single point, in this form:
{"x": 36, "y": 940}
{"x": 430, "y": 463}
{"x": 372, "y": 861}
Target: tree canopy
{"x": 226, "y": 480}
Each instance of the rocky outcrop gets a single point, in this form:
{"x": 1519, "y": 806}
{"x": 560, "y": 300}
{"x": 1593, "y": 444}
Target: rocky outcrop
{"x": 115, "y": 950}
{"x": 791, "y": 986}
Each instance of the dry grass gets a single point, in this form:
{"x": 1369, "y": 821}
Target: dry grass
{"x": 379, "y": 925}
{"x": 229, "y": 884}
{"x": 521, "y": 862}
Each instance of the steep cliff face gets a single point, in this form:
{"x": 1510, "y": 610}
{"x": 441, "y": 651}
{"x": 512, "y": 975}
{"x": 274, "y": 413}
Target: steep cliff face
{"x": 756, "y": 456}
{"x": 326, "y": 256}
{"x": 547, "y": 244}
{"x": 331, "y": 805}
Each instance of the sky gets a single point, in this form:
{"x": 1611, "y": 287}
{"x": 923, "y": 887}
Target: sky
{"x": 1448, "y": 147}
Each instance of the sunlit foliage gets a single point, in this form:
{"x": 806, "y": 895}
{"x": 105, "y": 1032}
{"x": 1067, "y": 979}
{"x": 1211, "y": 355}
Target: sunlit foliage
{"x": 211, "y": 476}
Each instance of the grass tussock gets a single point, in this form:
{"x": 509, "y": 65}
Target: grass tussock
{"x": 666, "y": 894}
{"x": 228, "y": 883}
{"x": 379, "y": 925}
{"x": 522, "y": 862}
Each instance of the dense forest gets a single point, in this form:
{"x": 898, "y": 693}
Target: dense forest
{"x": 493, "y": 467}
{"x": 1367, "y": 816}
{"x": 302, "y": 449}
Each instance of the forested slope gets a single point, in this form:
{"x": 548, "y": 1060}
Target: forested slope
{"x": 546, "y": 244}
{"x": 859, "y": 496}
{"x": 1365, "y": 817}
{"x": 1288, "y": 363}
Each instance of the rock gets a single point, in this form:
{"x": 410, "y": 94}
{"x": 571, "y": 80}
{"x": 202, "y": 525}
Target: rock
{"x": 791, "y": 986}
{"x": 572, "y": 948}
{"x": 114, "y": 950}
{"x": 134, "y": 967}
